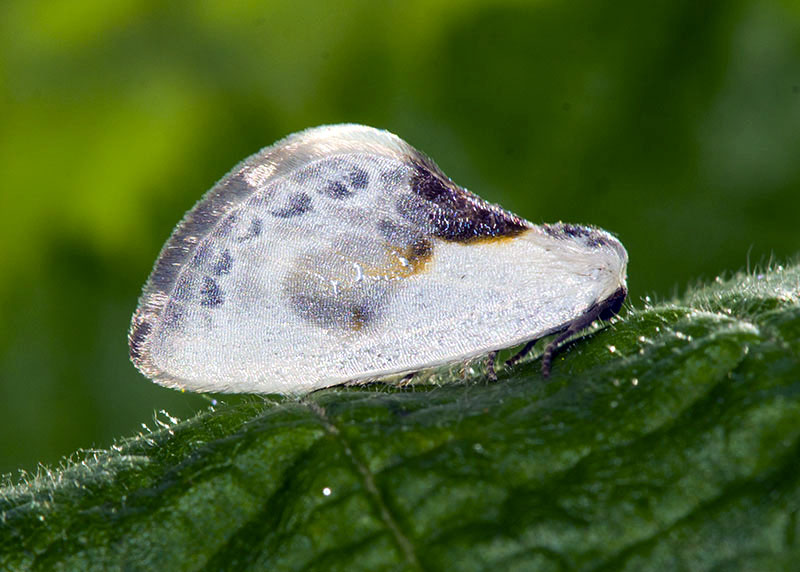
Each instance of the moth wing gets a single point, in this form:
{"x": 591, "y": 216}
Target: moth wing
{"x": 296, "y": 247}
{"x": 341, "y": 253}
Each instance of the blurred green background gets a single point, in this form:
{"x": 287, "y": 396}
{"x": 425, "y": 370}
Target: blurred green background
{"x": 675, "y": 124}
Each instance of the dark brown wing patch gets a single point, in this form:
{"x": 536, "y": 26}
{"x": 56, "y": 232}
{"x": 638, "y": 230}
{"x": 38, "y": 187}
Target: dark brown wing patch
{"x": 453, "y": 213}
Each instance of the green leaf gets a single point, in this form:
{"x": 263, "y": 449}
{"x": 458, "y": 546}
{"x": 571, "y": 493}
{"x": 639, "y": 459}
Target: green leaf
{"x": 666, "y": 440}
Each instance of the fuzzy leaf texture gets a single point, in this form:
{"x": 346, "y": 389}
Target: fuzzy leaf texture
{"x": 668, "y": 440}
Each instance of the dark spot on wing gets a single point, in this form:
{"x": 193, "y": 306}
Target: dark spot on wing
{"x": 397, "y": 233}
{"x": 387, "y": 228}
{"x": 336, "y": 190}
{"x": 454, "y": 213}
{"x": 328, "y": 292}
{"x": 223, "y": 263}
{"x": 210, "y": 294}
{"x": 210, "y": 216}
{"x": 201, "y": 253}
{"x": 414, "y": 257}
{"x": 333, "y": 312}
{"x": 226, "y": 226}
{"x": 183, "y": 288}
{"x": 299, "y": 204}
{"x": 420, "y": 249}
{"x": 136, "y": 338}
{"x": 173, "y": 314}
{"x": 393, "y": 177}
{"x": 255, "y": 228}
{"x": 257, "y": 201}
{"x": 406, "y": 242}
{"x": 590, "y": 237}
{"x": 360, "y": 316}
{"x": 359, "y": 178}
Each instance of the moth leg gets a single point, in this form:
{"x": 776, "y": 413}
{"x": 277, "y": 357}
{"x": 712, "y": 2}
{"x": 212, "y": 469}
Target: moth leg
{"x": 512, "y": 361}
{"x": 573, "y": 328}
{"x": 547, "y": 356}
{"x": 491, "y": 359}
{"x": 406, "y": 379}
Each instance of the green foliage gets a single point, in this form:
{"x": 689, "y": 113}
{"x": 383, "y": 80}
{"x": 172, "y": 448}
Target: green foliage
{"x": 673, "y": 124}
{"x": 668, "y": 440}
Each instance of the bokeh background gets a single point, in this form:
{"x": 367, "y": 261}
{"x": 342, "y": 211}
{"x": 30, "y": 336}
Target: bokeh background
{"x": 674, "y": 123}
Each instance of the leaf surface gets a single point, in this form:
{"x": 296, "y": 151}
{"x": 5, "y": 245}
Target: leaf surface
{"x": 668, "y": 439}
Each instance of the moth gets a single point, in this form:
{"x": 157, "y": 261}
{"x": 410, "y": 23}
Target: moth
{"x": 342, "y": 254}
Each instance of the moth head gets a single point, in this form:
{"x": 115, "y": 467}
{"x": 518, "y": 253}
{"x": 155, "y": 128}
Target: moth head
{"x": 599, "y": 254}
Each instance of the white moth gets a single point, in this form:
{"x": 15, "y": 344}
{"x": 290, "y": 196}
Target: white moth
{"x": 340, "y": 254}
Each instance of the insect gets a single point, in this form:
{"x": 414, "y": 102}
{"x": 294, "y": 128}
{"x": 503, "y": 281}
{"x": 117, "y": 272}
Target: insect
{"x": 343, "y": 254}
